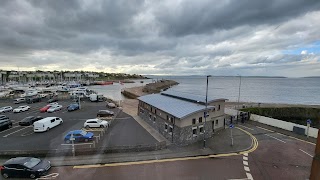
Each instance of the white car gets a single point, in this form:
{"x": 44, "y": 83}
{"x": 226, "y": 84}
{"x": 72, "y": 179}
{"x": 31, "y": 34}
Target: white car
{"x": 21, "y": 109}
{"x": 54, "y": 108}
{"x": 53, "y": 104}
{"x": 5, "y": 109}
{"x": 92, "y": 123}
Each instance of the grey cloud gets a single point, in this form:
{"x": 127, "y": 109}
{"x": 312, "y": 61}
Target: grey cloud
{"x": 206, "y": 16}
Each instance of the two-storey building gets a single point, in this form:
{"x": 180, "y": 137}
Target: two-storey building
{"x": 180, "y": 117}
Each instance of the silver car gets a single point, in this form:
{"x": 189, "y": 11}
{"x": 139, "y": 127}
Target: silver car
{"x": 5, "y": 109}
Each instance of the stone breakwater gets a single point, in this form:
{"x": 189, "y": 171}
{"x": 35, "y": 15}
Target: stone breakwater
{"x": 155, "y": 87}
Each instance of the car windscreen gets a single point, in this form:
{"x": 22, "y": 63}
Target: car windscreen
{"x": 32, "y": 162}
{"x": 83, "y": 133}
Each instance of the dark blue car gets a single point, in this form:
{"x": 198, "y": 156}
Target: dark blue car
{"x": 73, "y": 106}
{"x": 79, "y": 136}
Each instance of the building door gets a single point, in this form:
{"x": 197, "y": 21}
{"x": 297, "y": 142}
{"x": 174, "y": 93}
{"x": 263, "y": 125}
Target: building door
{"x": 212, "y": 127}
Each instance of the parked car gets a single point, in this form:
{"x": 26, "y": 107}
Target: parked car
{"x": 25, "y": 167}
{"x": 105, "y": 113}
{"x": 21, "y": 109}
{"x": 29, "y": 120}
{"x": 19, "y": 100}
{"x": 92, "y": 123}
{"x": 54, "y": 108}
{"x": 33, "y": 100}
{"x": 53, "y": 104}
{"x": 5, "y": 123}
{"x": 73, "y": 107}
{"x": 78, "y": 135}
{"x": 5, "y": 109}
{"x": 43, "y": 95}
{"x": 52, "y": 100}
{"x": 111, "y": 105}
{"x": 45, "y": 108}
{"x": 46, "y": 124}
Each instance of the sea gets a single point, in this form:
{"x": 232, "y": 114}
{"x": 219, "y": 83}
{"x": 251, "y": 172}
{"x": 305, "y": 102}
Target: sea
{"x": 252, "y": 89}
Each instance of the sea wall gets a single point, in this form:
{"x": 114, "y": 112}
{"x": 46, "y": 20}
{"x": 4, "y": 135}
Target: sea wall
{"x": 150, "y": 88}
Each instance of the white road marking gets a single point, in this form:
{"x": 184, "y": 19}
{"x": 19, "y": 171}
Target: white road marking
{"x": 249, "y": 176}
{"x": 245, "y": 154}
{"x": 275, "y": 138}
{"x": 245, "y": 163}
{"x": 245, "y": 158}
{"x": 9, "y": 129}
{"x": 49, "y": 176}
{"x": 306, "y": 153}
{"x": 16, "y": 131}
{"x": 246, "y": 127}
{"x": 246, "y": 168}
{"x": 264, "y": 129}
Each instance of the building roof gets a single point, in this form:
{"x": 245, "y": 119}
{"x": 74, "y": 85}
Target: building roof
{"x": 190, "y": 97}
{"x": 176, "y": 107}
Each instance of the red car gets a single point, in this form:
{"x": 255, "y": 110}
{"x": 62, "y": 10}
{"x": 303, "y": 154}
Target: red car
{"x": 44, "y": 109}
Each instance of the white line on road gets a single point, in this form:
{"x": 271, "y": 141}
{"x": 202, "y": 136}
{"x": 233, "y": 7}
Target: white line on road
{"x": 245, "y": 158}
{"x": 249, "y": 176}
{"x": 264, "y": 129}
{"x": 246, "y": 127}
{"x": 17, "y": 131}
{"x": 275, "y": 138}
{"x": 245, "y": 154}
{"x": 245, "y": 163}
{"x": 306, "y": 153}
{"x": 9, "y": 129}
{"x": 246, "y": 168}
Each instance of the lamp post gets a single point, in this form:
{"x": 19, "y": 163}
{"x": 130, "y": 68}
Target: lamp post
{"x": 205, "y": 114}
{"x": 239, "y": 98}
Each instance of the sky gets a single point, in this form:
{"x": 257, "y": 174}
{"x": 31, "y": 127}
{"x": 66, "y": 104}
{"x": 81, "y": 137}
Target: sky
{"x": 167, "y": 37}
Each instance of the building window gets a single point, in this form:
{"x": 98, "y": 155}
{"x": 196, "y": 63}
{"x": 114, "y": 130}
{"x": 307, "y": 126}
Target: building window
{"x": 170, "y": 130}
{"x": 194, "y": 131}
{"x": 193, "y": 121}
{"x": 213, "y": 109}
{"x": 217, "y": 122}
{"x": 165, "y": 127}
{"x": 155, "y": 111}
{"x": 200, "y": 119}
{"x": 167, "y": 117}
{"x": 151, "y": 109}
{"x": 141, "y": 110}
{"x": 201, "y": 129}
{"x": 150, "y": 116}
{"x": 171, "y": 119}
{"x": 154, "y": 119}
{"x": 219, "y": 107}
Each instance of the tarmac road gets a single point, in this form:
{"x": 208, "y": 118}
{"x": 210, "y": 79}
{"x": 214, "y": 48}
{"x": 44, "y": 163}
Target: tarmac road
{"x": 277, "y": 157}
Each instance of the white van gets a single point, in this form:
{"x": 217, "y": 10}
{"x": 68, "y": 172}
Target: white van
{"x": 46, "y": 124}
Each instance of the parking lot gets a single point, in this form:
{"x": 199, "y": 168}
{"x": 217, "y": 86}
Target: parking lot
{"x": 125, "y": 131}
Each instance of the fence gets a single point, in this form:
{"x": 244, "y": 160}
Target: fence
{"x": 313, "y": 132}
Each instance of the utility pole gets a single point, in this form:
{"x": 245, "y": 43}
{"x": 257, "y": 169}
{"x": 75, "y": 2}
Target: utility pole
{"x": 239, "y": 98}
{"x": 315, "y": 173}
{"x": 205, "y": 114}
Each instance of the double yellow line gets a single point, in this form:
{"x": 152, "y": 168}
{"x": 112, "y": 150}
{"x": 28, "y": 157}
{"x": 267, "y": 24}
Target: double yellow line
{"x": 254, "y": 147}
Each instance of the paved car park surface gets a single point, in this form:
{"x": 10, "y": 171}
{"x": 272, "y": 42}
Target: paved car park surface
{"x": 124, "y": 131}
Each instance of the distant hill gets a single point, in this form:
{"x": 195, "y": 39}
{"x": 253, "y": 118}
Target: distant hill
{"x": 312, "y": 77}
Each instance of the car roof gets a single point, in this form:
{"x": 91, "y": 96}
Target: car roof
{"x": 92, "y": 119}
{"x": 75, "y": 131}
{"x": 17, "y": 160}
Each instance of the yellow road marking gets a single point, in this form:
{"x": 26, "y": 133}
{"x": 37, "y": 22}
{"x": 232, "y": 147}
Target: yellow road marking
{"x": 254, "y": 147}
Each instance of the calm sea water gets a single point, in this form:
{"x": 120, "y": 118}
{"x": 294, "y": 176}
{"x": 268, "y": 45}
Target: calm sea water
{"x": 263, "y": 90}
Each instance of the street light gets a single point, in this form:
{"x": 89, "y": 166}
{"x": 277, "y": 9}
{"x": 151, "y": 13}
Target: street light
{"x": 205, "y": 114}
{"x": 239, "y": 97}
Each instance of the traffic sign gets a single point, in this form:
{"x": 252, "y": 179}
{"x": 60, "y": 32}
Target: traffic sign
{"x": 309, "y": 121}
{"x": 231, "y": 126}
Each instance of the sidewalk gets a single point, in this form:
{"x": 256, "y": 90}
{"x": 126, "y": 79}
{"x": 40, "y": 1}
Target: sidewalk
{"x": 219, "y": 144}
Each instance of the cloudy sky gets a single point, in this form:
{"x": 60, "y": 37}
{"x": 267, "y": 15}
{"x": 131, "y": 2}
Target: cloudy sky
{"x": 174, "y": 37}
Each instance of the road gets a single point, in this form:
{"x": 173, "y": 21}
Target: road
{"x": 277, "y": 157}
